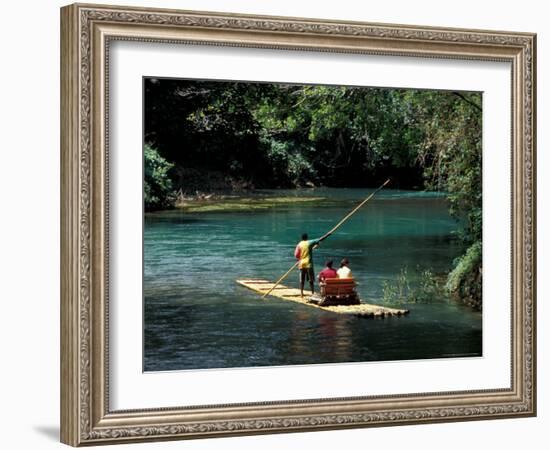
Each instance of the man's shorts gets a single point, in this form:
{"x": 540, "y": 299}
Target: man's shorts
{"x": 307, "y": 274}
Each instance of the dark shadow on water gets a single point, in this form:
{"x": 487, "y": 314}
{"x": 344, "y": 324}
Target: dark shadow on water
{"x": 49, "y": 431}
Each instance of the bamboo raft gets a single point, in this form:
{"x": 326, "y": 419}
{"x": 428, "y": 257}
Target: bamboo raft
{"x": 293, "y": 295}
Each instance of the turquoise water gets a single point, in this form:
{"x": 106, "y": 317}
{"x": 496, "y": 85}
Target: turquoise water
{"x": 197, "y": 317}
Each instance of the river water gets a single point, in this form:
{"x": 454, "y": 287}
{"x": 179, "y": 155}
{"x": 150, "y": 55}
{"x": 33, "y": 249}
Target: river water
{"x": 197, "y": 317}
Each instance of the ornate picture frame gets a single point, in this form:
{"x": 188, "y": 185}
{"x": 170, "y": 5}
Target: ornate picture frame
{"x": 86, "y": 34}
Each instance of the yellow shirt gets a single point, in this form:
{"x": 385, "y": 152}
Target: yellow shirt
{"x": 303, "y": 253}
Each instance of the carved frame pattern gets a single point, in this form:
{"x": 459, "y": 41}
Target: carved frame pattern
{"x": 86, "y": 418}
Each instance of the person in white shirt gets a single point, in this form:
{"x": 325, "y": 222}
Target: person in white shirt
{"x": 344, "y": 271}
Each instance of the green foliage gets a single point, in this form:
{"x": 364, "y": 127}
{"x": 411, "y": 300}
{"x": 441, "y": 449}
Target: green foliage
{"x": 347, "y": 135}
{"x": 430, "y": 289}
{"x": 398, "y": 291}
{"x": 465, "y": 279}
{"x": 289, "y": 165}
{"x": 450, "y": 153}
{"x": 419, "y": 287}
{"x": 157, "y": 185}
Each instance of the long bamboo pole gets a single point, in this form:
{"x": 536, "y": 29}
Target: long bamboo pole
{"x": 326, "y": 235}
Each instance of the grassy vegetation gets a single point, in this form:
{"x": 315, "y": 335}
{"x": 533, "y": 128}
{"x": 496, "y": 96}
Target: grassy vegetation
{"x": 419, "y": 287}
{"x": 242, "y": 204}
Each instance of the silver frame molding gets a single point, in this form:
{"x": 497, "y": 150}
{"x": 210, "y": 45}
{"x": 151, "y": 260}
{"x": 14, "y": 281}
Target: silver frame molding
{"x": 86, "y": 31}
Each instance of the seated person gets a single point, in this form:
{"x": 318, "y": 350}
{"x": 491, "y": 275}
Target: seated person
{"x": 344, "y": 271}
{"x": 327, "y": 272}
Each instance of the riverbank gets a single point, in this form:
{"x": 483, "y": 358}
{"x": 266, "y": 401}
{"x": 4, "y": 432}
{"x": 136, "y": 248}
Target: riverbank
{"x": 231, "y": 203}
{"x": 203, "y": 190}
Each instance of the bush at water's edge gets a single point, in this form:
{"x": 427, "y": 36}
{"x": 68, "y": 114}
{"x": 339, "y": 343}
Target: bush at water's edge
{"x": 465, "y": 279}
{"x": 157, "y": 185}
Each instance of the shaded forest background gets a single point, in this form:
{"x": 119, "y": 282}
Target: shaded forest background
{"x": 210, "y": 136}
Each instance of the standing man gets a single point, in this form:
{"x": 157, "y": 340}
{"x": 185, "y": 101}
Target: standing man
{"x": 304, "y": 254}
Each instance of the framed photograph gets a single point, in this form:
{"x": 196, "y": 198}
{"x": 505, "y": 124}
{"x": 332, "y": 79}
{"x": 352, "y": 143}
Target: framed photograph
{"x": 276, "y": 224}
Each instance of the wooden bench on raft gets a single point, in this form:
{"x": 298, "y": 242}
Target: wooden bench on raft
{"x": 338, "y": 291}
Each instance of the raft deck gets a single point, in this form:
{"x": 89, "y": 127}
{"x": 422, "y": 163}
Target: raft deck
{"x": 293, "y": 295}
